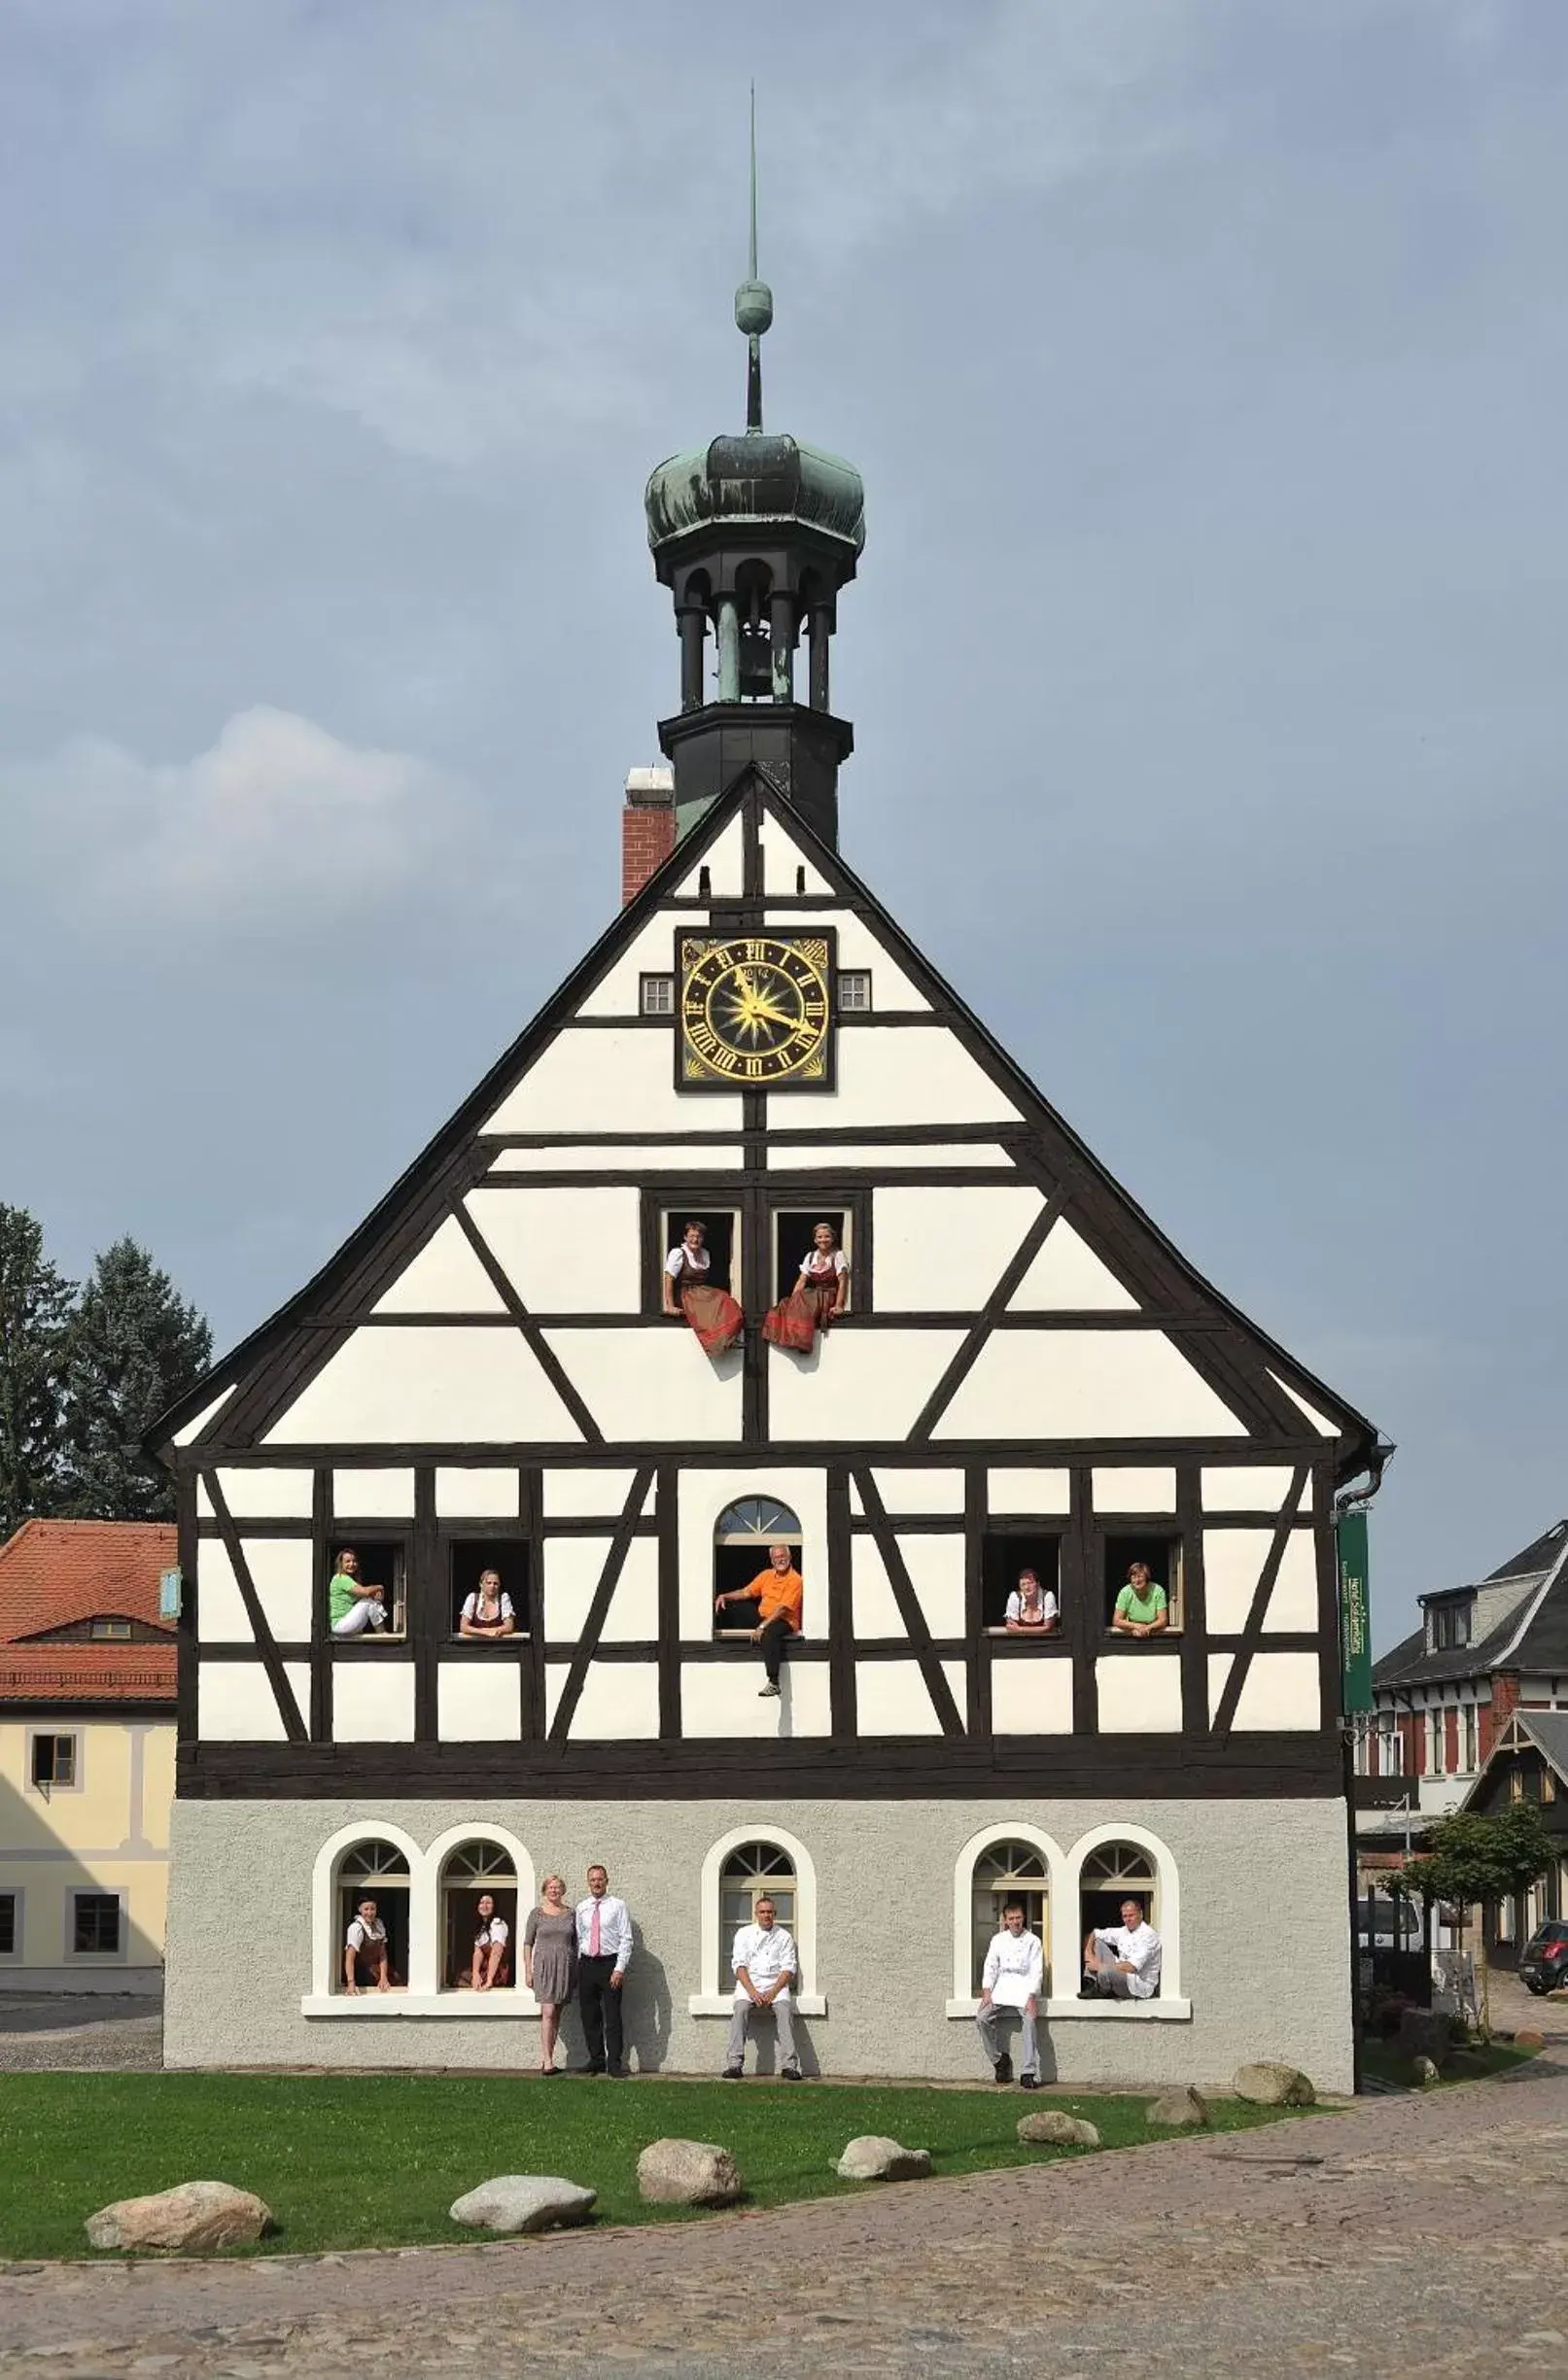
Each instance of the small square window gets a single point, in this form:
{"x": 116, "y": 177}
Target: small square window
{"x": 854, "y": 991}
{"x": 658, "y": 996}
{"x": 55, "y": 1760}
{"x": 95, "y": 1924}
{"x": 475, "y": 1560}
{"x": 380, "y": 1563}
{"x": 10, "y": 1924}
{"x": 1159, "y": 1557}
{"x": 1004, "y": 1560}
{"x": 111, "y": 1632}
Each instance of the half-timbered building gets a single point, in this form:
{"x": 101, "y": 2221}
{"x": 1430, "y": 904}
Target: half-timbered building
{"x": 1028, "y": 1374}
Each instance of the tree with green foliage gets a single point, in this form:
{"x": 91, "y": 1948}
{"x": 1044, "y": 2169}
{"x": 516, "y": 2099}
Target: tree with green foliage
{"x": 1473, "y": 1861}
{"x": 132, "y": 1347}
{"x": 35, "y": 1306}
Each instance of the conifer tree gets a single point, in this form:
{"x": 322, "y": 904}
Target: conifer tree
{"x": 132, "y": 1347}
{"x": 35, "y": 1305}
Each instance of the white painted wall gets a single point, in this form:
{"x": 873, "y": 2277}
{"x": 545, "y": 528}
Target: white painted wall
{"x": 619, "y": 992}
{"x": 873, "y": 1610}
{"x": 372, "y": 1698}
{"x": 1320, "y": 1421}
{"x": 361, "y": 1494}
{"x": 782, "y": 856}
{"x": 872, "y": 1156}
{"x": 896, "y": 1076}
{"x": 280, "y": 1569}
{"x": 725, "y": 863}
{"x": 1139, "y": 1696}
{"x": 1085, "y": 1383}
{"x": 1237, "y": 1486}
{"x": 235, "y": 1703}
{"x": 573, "y": 1569}
{"x": 912, "y": 1491}
{"x": 604, "y": 1156}
{"x": 891, "y": 1700}
{"x": 1068, "y": 1277}
{"x": 477, "y": 1495}
{"x": 1031, "y": 1698}
{"x": 586, "y": 1076}
{"x": 944, "y": 1251}
{"x": 866, "y": 1388}
{"x": 1127, "y": 1487}
{"x": 723, "y": 1698}
{"x": 565, "y": 1251}
{"x": 652, "y": 1383}
{"x": 1028, "y": 1491}
{"x": 573, "y": 1495}
{"x": 619, "y": 1701}
{"x": 437, "y": 1385}
{"x": 263, "y": 1494}
{"x": 1293, "y": 1604}
{"x": 705, "y": 1493}
{"x": 1282, "y": 1690}
{"x": 445, "y": 1277}
{"x": 478, "y": 1701}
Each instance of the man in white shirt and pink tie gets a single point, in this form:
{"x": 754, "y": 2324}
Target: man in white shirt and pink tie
{"x": 604, "y": 1947}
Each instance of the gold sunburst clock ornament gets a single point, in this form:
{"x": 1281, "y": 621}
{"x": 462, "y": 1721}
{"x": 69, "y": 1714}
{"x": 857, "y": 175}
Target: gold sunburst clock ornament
{"x": 755, "y": 1011}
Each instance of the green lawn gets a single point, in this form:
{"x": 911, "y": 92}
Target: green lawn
{"x": 376, "y": 2161}
{"x": 1381, "y": 2062}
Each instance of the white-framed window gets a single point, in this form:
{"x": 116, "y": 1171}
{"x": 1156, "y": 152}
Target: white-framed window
{"x": 854, "y": 991}
{"x": 1470, "y": 1738}
{"x": 755, "y": 1860}
{"x": 474, "y": 1871}
{"x": 53, "y": 1761}
{"x": 794, "y": 1230}
{"x": 11, "y": 1923}
{"x": 721, "y": 1238}
{"x": 372, "y": 1871}
{"x": 658, "y": 996}
{"x": 381, "y": 1557}
{"x": 96, "y": 1923}
{"x": 1118, "y": 1863}
{"x": 425, "y": 1899}
{"x": 1007, "y": 1870}
{"x": 1435, "y": 1765}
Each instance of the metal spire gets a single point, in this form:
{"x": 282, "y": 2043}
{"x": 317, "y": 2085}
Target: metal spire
{"x": 753, "y": 305}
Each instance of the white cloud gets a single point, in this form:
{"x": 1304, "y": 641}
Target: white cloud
{"x": 278, "y": 820}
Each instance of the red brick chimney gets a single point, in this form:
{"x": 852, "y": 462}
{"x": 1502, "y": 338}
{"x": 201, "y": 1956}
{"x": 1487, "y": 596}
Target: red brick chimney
{"x": 647, "y": 827}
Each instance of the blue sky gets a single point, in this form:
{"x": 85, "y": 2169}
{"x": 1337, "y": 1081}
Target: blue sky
{"x": 1204, "y": 364}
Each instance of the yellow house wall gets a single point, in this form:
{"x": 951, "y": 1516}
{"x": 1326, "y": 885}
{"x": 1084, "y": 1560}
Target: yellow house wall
{"x": 107, "y": 1833}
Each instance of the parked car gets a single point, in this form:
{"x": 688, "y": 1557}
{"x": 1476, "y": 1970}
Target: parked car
{"x": 1545, "y": 1963}
{"x": 1382, "y": 1921}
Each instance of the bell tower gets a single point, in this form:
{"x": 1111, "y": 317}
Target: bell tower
{"x": 754, "y": 535}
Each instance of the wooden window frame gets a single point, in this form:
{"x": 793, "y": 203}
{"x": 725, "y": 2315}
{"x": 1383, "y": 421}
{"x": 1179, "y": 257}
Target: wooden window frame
{"x": 1111, "y": 1527}
{"x": 764, "y": 1889}
{"x": 1027, "y": 1537}
{"x": 355, "y": 1535}
{"x": 854, "y": 1205}
{"x": 854, "y": 1008}
{"x": 49, "y": 1786}
{"x": 663, "y": 1211}
{"x": 76, "y": 1893}
{"x": 449, "y": 1535}
{"x": 1026, "y": 1888}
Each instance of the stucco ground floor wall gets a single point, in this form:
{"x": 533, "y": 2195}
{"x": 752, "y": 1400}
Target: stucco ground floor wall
{"x": 1252, "y": 1902}
{"x": 41, "y": 1886}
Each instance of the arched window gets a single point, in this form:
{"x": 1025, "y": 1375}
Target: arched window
{"x": 753, "y": 1871}
{"x": 741, "y": 1536}
{"x": 1115, "y": 1873}
{"x": 470, "y": 1871}
{"x": 1007, "y": 1871}
{"x": 372, "y": 1870}
{"x": 1118, "y": 1863}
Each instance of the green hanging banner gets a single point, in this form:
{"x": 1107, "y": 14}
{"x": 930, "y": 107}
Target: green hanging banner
{"x": 1355, "y": 1612}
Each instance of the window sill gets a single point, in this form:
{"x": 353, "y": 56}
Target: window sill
{"x": 722, "y": 2004}
{"x": 487, "y": 2006}
{"x": 1025, "y": 1636}
{"x": 1097, "y": 2012}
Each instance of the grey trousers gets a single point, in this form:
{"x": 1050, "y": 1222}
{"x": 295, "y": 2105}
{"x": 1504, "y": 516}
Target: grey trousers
{"x": 740, "y": 2024}
{"x": 1029, "y": 2047}
{"x": 1109, "y": 1981}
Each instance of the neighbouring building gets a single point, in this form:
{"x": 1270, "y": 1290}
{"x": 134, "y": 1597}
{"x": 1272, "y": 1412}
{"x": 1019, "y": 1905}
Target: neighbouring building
{"x": 1528, "y": 1762}
{"x": 1028, "y": 1374}
{"x": 1443, "y": 1696}
{"x": 86, "y": 1755}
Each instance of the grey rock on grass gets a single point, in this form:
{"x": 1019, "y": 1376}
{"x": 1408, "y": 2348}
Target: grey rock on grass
{"x": 1052, "y": 2127}
{"x": 1178, "y": 2108}
{"x": 872, "y": 2157}
{"x": 687, "y": 2173}
{"x": 524, "y": 2203}
{"x": 195, "y": 2218}
{"x": 1270, "y": 2085}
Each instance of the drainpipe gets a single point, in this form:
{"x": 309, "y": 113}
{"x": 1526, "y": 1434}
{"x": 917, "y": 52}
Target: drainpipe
{"x": 1346, "y": 1499}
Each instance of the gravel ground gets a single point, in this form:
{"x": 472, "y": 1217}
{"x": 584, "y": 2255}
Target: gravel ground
{"x": 80, "y": 2032}
{"x": 1402, "y": 2235}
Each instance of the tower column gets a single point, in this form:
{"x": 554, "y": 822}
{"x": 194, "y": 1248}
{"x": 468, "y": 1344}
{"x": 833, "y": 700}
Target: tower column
{"x": 693, "y": 625}
{"x": 781, "y": 643}
{"x": 821, "y": 631}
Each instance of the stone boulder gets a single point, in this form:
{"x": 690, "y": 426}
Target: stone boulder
{"x": 1424, "y": 2072}
{"x": 1269, "y": 2085}
{"x": 524, "y": 2203}
{"x": 1052, "y": 2127}
{"x": 1423, "y": 2032}
{"x": 1529, "y": 2041}
{"x": 871, "y": 2158}
{"x": 1179, "y": 2107}
{"x": 195, "y": 2217}
{"x": 687, "y": 2173}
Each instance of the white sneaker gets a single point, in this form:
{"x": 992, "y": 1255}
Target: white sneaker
{"x": 769, "y": 1694}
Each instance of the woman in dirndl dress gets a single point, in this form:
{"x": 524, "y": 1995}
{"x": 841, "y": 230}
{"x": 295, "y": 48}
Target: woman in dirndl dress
{"x": 713, "y": 1313}
{"x": 821, "y": 1293}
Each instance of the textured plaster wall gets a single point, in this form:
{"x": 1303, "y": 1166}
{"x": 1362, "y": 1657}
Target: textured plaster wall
{"x": 885, "y": 1935}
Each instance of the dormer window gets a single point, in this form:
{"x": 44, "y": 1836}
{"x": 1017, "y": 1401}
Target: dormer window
{"x": 1448, "y": 1627}
{"x": 111, "y": 1632}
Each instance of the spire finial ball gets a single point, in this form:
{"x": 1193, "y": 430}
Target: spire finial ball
{"x": 753, "y": 308}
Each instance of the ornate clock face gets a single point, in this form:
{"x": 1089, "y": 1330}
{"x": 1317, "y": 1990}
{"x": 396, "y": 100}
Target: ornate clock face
{"x": 755, "y": 1010}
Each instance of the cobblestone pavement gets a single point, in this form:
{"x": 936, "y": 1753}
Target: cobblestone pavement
{"x": 81, "y": 2031}
{"x": 1402, "y": 2235}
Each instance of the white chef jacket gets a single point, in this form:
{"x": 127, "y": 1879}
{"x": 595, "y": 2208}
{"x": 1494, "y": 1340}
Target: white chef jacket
{"x": 614, "y": 1929}
{"x": 764, "y": 1955}
{"x": 1139, "y": 1945}
{"x": 1015, "y": 1955}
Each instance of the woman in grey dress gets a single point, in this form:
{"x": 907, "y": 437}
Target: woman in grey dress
{"x": 551, "y": 1963}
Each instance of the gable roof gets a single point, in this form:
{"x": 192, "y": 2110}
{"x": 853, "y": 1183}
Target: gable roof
{"x": 1282, "y": 1385}
{"x": 1529, "y": 1633}
{"x": 1547, "y": 1730}
{"x": 54, "y": 1573}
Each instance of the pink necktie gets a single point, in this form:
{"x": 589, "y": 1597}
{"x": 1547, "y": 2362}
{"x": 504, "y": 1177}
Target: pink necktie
{"x": 593, "y": 1933}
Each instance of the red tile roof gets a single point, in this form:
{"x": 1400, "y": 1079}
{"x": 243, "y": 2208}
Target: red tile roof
{"x": 55, "y": 1574}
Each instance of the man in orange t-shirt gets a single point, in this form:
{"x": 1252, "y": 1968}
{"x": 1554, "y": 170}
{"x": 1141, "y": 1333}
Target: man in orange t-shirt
{"x": 777, "y": 1593}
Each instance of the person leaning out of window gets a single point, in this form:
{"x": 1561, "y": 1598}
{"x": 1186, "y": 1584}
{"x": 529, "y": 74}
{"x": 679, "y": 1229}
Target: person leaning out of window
{"x": 353, "y": 1603}
{"x": 487, "y": 1613}
{"x": 1141, "y": 1607}
{"x": 778, "y": 1593}
{"x": 1031, "y": 1609}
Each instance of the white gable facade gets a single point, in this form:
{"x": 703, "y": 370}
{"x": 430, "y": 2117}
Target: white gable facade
{"x": 1027, "y": 1376}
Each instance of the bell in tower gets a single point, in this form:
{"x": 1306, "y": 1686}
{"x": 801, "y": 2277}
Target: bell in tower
{"x": 754, "y": 535}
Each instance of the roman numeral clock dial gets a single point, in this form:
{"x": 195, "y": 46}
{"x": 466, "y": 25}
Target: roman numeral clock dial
{"x": 755, "y": 1010}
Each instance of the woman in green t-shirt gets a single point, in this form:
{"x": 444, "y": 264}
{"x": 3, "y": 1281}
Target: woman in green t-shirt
{"x": 1141, "y": 1607}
